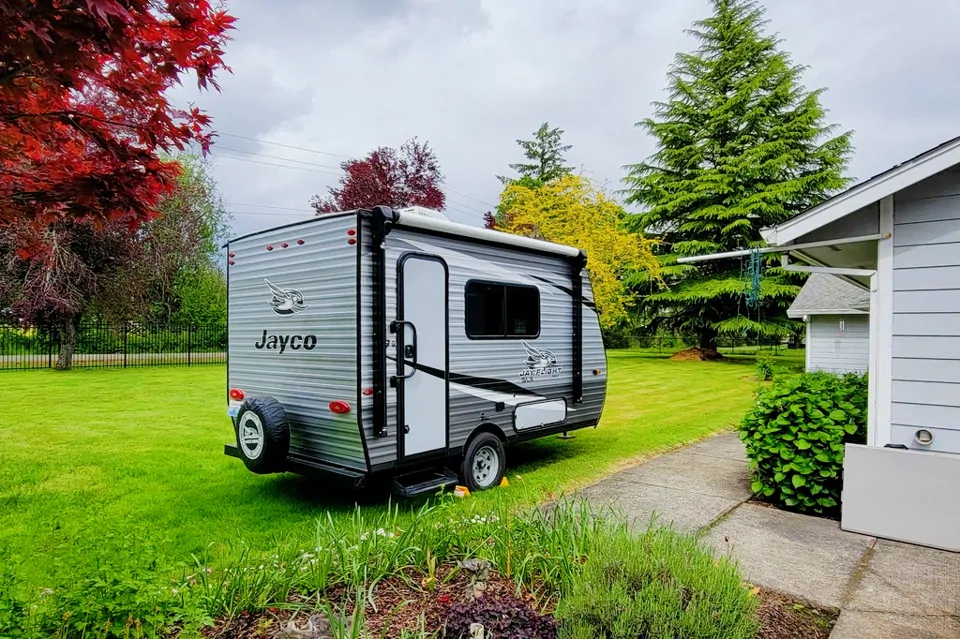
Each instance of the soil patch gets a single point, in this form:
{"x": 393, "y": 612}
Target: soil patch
{"x": 406, "y": 602}
{"x": 784, "y": 618}
{"x": 697, "y": 355}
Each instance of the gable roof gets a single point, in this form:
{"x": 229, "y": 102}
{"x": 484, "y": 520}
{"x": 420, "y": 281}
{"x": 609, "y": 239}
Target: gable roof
{"x": 829, "y": 295}
{"x": 896, "y": 178}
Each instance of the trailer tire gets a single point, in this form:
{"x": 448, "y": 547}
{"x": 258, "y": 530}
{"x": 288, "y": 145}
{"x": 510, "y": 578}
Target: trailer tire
{"x": 263, "y": 435}
{"x": 484, "y": 462}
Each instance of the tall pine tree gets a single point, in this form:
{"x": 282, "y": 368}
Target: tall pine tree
{"x": 544, "y": 155}
{"x": 742, "y": 145}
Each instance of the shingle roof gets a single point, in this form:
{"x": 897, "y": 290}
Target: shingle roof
{"x": 829, "y": 295}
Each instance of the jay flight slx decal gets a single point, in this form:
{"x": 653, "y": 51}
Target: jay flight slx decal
{"x": 540, "y": 363}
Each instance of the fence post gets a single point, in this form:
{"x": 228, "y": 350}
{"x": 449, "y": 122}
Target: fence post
{"x": 50, "y": 347}
{"x": 189, "y": 342}
{"x": 124, "y": 344}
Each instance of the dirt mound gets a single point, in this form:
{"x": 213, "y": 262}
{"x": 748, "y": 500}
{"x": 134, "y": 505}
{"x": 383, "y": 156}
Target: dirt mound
{"x": 697, "y": 355}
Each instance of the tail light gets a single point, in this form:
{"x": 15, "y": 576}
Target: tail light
{"x": 236, "y": 394}
{"x": 339, "y": 407}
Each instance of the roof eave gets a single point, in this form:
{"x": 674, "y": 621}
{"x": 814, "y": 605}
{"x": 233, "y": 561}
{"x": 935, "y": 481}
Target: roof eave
{"x": 794, "y": 314}
{"x": 873, "y": 190}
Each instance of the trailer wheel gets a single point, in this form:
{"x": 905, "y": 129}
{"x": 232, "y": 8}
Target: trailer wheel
{"x": 484, "y": 462}
{"x": 263, "y": 435}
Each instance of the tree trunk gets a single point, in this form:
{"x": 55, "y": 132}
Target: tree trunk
{"x": 68, "y": 343}
{"x": 708, "y": 340}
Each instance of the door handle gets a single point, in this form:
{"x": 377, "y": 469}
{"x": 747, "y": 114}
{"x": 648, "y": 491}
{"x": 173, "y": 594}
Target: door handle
{"x": 409, "y": 351}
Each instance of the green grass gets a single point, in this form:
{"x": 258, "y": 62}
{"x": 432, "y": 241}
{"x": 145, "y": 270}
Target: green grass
{"x": 138, "y": 452}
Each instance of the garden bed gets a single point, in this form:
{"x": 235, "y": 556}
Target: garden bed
{"x": 402, "y": 609}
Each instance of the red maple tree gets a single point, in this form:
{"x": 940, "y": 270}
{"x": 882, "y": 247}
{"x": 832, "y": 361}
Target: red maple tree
{"x": 84, "y": 119}
{"x": 410, "y": 177}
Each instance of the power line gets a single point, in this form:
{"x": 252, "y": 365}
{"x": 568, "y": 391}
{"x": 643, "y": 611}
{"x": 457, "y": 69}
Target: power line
{"x": 286, "y": 146}
{"x": 282, "y": 166}
{"x": 309, "y": 150}
{"x": 277, "y": 157}
{"x": 470, "y": 198}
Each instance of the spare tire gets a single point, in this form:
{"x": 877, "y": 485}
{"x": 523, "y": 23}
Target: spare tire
{"x": 263, "y": 435}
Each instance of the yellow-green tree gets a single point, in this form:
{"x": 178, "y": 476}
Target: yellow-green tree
{"x": 572, "y": 210}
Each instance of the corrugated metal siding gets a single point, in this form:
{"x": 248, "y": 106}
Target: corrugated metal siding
{"x": 926, "y": 304}
{"x": 838, "y": 351}
{"x": 493, "y": 359}
{"x": 324, "y": 270}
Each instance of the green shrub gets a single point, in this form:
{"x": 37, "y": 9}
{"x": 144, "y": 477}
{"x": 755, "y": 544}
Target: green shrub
{"x": 660, "y": 584}
{"x": 795, "y": 437}
{"x": 764, "y": 365}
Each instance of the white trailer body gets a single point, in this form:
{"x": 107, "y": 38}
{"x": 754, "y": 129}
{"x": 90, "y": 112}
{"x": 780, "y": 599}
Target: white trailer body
{"x": 380, "y": 341}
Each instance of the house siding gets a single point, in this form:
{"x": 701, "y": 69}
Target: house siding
{"x": 838, "y": 343}
{"x": 926, "y": 313}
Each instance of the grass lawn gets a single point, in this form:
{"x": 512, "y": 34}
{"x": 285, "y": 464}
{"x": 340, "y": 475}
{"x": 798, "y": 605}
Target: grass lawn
{"x": 92, "y": 455}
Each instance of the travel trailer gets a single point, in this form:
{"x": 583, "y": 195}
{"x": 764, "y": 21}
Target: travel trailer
{"x": 396, "y": 342}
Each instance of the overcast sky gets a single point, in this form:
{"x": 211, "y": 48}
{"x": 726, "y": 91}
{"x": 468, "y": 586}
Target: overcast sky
{"x": 341, "y": 77}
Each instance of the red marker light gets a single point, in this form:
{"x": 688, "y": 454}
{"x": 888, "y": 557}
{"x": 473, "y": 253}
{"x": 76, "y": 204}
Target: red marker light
{"x": 351, "y": 232}
{"x": 299, "y": 241}
{"x": 284, "y": 245}
{"x": 236, "y": 394}
{"x": 269, "y": 247}
{"x": 231, "y": 255}
{"x": 351, "y": 241}
{"x": 339, "y": 407}
{"x": 368, "y": 391}
{"x": 231, "y": 262}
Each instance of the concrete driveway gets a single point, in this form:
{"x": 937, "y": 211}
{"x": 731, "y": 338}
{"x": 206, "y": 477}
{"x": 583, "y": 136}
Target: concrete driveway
{"x": 883, "y": 589}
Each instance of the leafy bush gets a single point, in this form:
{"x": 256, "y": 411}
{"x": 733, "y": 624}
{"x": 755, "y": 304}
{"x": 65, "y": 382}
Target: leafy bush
{"x": 764, "y": 365}
{"x": 499, "y": 618}
{"x": 795, "y": 438}
{"x": 660, "y": 584}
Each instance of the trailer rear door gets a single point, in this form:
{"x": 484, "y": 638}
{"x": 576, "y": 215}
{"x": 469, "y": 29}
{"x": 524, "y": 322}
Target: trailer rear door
{"x": 423, "y": 345}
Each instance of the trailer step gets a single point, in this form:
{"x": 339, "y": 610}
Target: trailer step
{"x": 423, "y": 482}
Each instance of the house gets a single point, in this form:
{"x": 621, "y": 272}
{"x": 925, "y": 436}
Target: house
{"x": 837, "y": 315}
{"x": 897, "y": 235}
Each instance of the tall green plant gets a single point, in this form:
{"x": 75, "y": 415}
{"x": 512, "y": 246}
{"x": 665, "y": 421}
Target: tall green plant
{"x": 741, "y": 145}
{"x": 796, "y": 434}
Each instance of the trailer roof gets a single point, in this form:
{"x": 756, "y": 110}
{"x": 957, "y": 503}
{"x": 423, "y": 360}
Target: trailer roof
{"x": 487, "y": 235}
{"x": 412, "y": 219}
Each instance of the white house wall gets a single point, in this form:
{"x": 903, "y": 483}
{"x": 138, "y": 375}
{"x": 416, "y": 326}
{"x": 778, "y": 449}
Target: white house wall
{"x": 838, "y": 343}
{"x": 926, "y": 321}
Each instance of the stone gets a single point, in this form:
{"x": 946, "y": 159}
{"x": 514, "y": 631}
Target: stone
{"x": 854, "y": 624}
{"x": 805, "y": 557}
{"x": 909, "y": 580}
{"x": 646, "y": 505}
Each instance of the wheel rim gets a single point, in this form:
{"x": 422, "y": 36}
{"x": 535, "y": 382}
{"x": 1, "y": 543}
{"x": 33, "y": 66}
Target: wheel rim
{"x": 486, "y": 466}
{"x": 250, "y": 435}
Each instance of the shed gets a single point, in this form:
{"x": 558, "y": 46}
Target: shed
{"x": 836, "y": 314}
{"x": 898, "y": 235}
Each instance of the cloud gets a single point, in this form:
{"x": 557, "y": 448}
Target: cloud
{"x": 472, "y": 76}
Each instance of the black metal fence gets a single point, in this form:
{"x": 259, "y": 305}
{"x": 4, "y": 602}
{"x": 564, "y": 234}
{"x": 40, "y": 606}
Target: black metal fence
{"x": 725, "y": 344}
{"x": 103, "y": 344}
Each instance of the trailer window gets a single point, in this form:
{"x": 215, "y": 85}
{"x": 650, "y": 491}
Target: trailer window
{"x": 502, "y": 310}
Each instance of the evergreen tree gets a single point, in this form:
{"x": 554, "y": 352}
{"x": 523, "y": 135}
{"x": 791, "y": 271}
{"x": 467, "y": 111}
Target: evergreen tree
{"x": 742, "y": 145}
{"x": 545, "y": 155}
